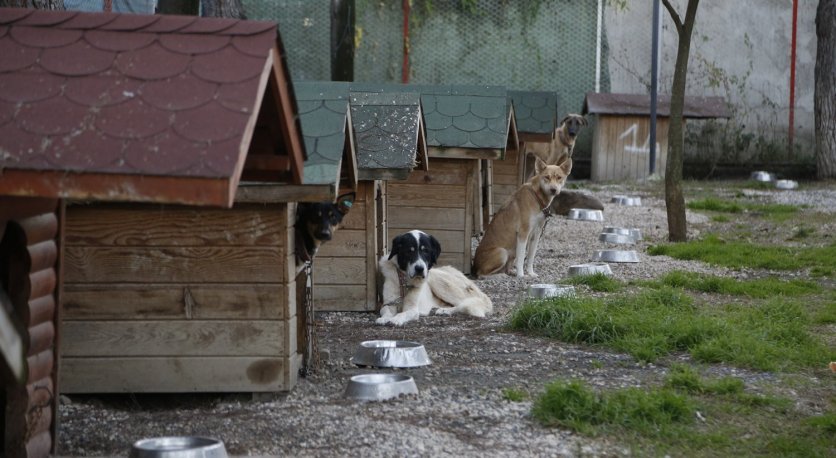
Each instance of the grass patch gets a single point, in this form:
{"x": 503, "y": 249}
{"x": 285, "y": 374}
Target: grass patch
{"x": 657, "y": 322}
{"x": 713, "y": 250}
{"x": 597, "y": 282}
{"x": 514, "y": 394}
{"x": 716, "y": 205}
{"x": 658, "y": 421}
{"x": 778, "y": 212}
{"x": 720, "y": 219}
{"x": 758, "y": 288}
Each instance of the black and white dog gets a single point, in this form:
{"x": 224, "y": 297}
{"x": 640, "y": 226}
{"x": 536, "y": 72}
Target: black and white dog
{"x": 411, "y": 281}
{"x": 316, "y": 223}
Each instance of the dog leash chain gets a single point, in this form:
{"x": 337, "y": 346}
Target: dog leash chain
{"x": 311, "y": 358}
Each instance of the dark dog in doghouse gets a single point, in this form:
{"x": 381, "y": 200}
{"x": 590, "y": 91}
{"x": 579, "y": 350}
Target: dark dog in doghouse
{"x": 316, "y": 224}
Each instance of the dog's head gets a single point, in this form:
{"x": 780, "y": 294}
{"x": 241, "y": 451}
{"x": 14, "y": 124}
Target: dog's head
{"x": 416, "y": 253}
{"x": 320, "y": 219}
{"x": 551, "y": 178}
{"x": 572, "y": 124}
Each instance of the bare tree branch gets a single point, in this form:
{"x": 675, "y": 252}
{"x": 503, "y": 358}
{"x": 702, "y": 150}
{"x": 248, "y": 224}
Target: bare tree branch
{"x": 674, "y": 15}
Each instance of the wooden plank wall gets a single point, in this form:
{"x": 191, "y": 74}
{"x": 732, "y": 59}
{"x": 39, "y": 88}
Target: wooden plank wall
{"x": 621, "y": 148}
{"x": 30, "y": 254}
{"x": 439, "y": 202}
{"x": 179, "y": 299}
{"x": 345, "y": 268}
{"x": 506, "y": 178}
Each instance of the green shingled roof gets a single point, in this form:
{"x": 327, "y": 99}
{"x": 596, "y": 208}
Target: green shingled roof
{"x": 387, "y": 133}
{"x": 324, "y": 115}
{"x": 536, "y": 113}
{"x": 472, "y": 117}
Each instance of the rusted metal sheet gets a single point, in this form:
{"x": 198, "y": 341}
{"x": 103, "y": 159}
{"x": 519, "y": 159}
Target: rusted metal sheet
{"x": 639, "y": 104}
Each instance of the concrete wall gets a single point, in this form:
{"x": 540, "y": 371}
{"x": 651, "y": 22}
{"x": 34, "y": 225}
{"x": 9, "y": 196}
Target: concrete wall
{"x": 741, "y": 51}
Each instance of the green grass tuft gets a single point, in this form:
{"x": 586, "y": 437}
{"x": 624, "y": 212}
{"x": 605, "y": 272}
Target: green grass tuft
{"x": 514, "y": 394}
{"x": 758, "y": 288}
{"x": 715, "y": 251}
{"x": 716, "y": 205}
{"x": 597, "y": 282}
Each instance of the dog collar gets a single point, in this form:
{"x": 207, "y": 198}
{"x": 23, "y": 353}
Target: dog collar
{"x": 546, "y": 209}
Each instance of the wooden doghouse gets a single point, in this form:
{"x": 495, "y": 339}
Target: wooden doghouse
{"x": 621, "y": 131}
{"x": 177, "y": 298}
{"x": 536, "y": 118}
{"x": 386, "y": 130}
{"x": 464, "y": 125}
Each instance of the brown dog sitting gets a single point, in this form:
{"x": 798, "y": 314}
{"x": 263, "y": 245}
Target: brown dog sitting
{"x": 512, "y": 236}
{"x": 564, "y": 140}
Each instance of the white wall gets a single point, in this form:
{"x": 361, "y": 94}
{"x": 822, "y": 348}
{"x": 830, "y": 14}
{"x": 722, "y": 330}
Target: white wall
{"x": 740, "y": 50}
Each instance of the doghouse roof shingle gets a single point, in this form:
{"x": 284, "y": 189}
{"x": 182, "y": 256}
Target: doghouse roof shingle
{"x": 639, "y": 105}
{"x": 389, "y": 131}
{"x": 137, "y": 107}
{"x": 326, "y": 127}
{"x": 461, "y": 117}
{"x": 536, "y": 114}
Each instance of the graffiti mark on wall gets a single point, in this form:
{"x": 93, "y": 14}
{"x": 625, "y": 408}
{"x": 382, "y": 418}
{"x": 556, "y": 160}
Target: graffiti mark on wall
{"x": 633, "y": 147}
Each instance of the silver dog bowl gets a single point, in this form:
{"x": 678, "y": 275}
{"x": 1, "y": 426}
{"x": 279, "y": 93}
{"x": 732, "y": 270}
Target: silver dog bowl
{"x": 178, "y": 447}
{"x": 545, "y": 290}
{"x": 627, "y": 201}
{"x": 585, "y": 214}
{"x": 379, "y": 387}
{"x": 616, "y": 238}
{"x": 761, "y": 176}
{"x": 590, "y": 268}
{"x": 390, "y": 353}
{"x": 616, "y": 256}
{"x": 635, "y": 233}
{"x": 786, "y": 184}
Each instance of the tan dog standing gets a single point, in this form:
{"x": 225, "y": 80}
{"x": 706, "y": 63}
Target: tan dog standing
{"x": 564, "y": 140}
{"x": 514, "y": 233}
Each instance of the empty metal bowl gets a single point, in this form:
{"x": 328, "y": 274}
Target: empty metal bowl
{"x": 178, "y": 447}
{"x": 616, "y": 238}
{"x": 616, "y": 256}
{"x": 590, "y": 268}
{"x": 627, "y": 201}
{"x": 390, "y": 353}
{"x": 632, "y": 232}
{"x": 761, "y": 176}
{"x": 379, "y": 387}
{"x": 545, "y": 290}
{"x": 786, "y": 184}
{"x": 586, "y": 214}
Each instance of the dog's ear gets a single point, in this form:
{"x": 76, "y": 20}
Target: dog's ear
{"x": 565, "y": 118}
{"x": 435, "y": 250}
{"x": 566, "y": 165}
{"x": 583, "y": 120}
{"x": 344, "y": 202}
{"x": 539, "y": 165}
{"x": 396, "y": 246}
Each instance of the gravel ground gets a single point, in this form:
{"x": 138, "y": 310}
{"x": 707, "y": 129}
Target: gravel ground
{"x": 460, "y": 410}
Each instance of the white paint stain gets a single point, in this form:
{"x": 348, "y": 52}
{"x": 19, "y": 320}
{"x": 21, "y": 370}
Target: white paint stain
{"x": 633, "y": 147}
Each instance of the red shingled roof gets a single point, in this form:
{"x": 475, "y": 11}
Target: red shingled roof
{"x": 133, "y": 107}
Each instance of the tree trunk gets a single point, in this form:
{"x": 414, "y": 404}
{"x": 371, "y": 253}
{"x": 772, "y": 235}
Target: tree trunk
{"x": 222, "y": 8}
{"x": 825, "y": 107}
{"x": 674, "y": 200}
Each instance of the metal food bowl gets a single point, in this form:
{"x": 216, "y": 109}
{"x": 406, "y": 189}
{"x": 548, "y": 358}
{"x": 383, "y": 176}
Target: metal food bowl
{"x": 616, "y": 238}
{"x": 545, "y": 290}
{"x": 616, "y": 256}
{"x": 379, "y": 387}
{"x": 632, "y": 232}
{"x": 627, "y": 201}
{"x": 390, "y": 353}
{"x": 590, "y": 268}
{"x": 761, "y": 176}
{"x": 178, "y": 447}
{"x": 786, "y": 184}
{"x": 586, "y": 214}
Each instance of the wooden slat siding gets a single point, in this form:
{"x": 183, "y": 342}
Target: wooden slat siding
{"x": 612, "y": 161}
{"x": 231, "y": 301}
{"x": 489, "y": 203}
{"x": 178, "y": 375}
{"x": 356, "y": 217}
{"x": 452, "y": 259}
{"x": 448, "y": 171}
{"x": 467, "y": 233}
{"x": 149, "y": 225}
{"x": 177, "y": 338}
{"x": 417, "y": 195}
{"x": 341, "y": 298}
{"x": 476, "y": 208}
{"x": 338, "y": 271}
{"x": 346, "y": 243}
{"x": 402, "y": 219}
{"x": 174, "y": 264}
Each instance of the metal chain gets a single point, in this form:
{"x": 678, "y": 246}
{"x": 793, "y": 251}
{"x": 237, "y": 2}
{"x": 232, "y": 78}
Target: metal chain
{"x": 311, "y": 358}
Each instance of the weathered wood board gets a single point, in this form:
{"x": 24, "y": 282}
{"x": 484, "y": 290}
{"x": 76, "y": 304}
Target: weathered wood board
{"x": 621, "y": 148}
